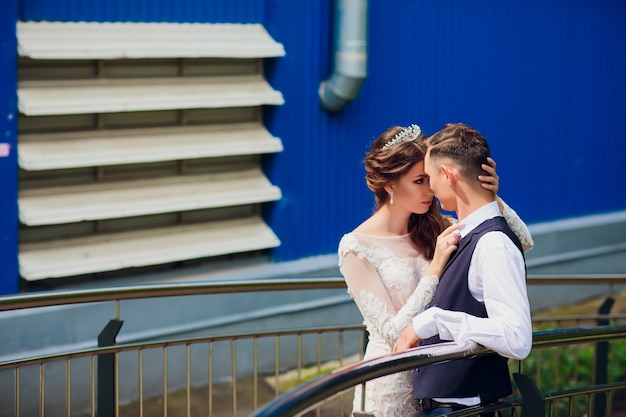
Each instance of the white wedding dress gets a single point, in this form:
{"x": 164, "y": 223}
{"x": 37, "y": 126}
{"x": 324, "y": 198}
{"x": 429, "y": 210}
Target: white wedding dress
{"x": 385, "y": 277}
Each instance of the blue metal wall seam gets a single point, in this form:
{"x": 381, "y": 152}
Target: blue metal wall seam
{"x": 9, "y": 280}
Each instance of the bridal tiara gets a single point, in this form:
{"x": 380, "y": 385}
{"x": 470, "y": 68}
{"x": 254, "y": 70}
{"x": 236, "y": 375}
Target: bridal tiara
{"x": 409, "y": 133}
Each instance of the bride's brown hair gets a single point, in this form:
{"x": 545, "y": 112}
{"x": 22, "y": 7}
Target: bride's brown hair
{"x": 386, "y": 164}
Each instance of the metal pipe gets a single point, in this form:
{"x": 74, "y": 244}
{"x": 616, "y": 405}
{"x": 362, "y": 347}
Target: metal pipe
{"x": 350, "y": 55}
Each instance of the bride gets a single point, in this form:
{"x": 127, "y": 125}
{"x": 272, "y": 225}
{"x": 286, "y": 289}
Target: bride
{"x": 392, "y": 261}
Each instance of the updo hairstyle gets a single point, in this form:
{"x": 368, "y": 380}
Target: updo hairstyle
{"x": 383, "y": 166}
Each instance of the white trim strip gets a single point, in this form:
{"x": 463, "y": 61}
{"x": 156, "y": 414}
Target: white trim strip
{"x": 44, "y": 151}
{"x": 119, "y": 199}
{"x": 110, "y": 252}
{"x": 40, "y": 98}
{"x": 117, "y": 40}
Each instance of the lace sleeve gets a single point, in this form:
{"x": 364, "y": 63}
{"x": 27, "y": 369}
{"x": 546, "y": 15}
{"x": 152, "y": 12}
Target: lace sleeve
{"x": 417, "y": 302}
{"x": 518, "y": 226}
{"x": 365, "y": 286}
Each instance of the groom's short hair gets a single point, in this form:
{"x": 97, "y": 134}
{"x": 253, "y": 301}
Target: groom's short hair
{"x": 462, "y": 144}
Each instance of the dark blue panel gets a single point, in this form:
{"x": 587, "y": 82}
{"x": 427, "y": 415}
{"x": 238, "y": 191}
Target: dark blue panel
{"x": 542, "y": 80}
{"x": 8, "y": 150}
{"x": 231, "y": 11}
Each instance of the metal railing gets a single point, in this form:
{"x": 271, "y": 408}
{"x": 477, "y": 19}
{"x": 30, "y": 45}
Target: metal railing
{"x": 144, "y": 369}
{"x": 215, "y": 350}
{"x": 52, "y": 298}
{"x": 298, "y": 355}
{"x": 309, "y": 395}
{"x": 118, "y": 294}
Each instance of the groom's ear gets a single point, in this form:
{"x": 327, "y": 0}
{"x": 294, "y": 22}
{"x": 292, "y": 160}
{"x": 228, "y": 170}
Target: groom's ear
{"x": 448, "y": 173}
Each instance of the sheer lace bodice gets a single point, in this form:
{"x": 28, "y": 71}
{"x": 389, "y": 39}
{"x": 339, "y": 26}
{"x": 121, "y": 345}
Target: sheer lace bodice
{"x": 385, "y": 276}
{"x": 382, "y": 274}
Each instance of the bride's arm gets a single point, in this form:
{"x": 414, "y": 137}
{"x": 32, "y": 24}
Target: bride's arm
{"x": 517, "y": 225}
{"x": 370, "y": 295}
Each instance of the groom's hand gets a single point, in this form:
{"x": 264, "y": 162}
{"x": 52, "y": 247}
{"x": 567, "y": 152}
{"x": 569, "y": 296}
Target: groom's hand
{"x": 407, "y": 340}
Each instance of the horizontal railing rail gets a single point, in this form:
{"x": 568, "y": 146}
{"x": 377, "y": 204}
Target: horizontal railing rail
{"x": 36, "y": 360}
{"x": 310, "y": 394}
{"x": 64, "y": 297}
{"x": 53, "y": 298}
{"x": 277, "y": 368}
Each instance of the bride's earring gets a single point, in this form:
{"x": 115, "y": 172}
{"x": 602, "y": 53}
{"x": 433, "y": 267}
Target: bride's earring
{"x": 391, "y": 197}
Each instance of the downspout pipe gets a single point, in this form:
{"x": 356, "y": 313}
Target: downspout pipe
{"x": 350, "y": 55}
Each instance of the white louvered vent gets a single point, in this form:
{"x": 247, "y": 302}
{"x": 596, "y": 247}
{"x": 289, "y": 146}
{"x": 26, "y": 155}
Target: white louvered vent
{"x": 140, "y": 145}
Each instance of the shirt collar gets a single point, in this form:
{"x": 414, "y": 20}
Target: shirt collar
{"x": 486, "y": 212}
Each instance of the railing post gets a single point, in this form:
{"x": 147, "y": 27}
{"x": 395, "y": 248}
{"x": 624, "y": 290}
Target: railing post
{"x": 533, "y": 400}
{"x": 106, "y": 370}
{"x": 602, "y": 361}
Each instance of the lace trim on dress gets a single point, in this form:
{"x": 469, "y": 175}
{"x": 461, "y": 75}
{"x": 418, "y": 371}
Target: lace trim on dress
{"x": 389, "y": 396}
{"x": 401, "y": 276}
{"x": 379, "y": 321}
{"x": 390, "y": 295}
{"x": 377, "y": 254}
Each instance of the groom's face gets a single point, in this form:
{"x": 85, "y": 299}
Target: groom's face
{"x": 438, "y": 182}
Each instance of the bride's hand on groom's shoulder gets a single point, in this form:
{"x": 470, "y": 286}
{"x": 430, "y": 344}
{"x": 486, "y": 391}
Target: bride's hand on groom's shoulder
{"x": 447, "y": 243}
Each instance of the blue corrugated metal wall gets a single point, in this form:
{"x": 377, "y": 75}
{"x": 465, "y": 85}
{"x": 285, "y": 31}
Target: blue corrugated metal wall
{"x": 543, "y": 80}
{"x": 321, "y": 168}
{"x": 214, "y": 11}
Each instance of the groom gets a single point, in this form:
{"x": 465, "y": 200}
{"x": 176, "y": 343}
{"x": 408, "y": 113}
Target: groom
{"x": 482, "y": 292}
